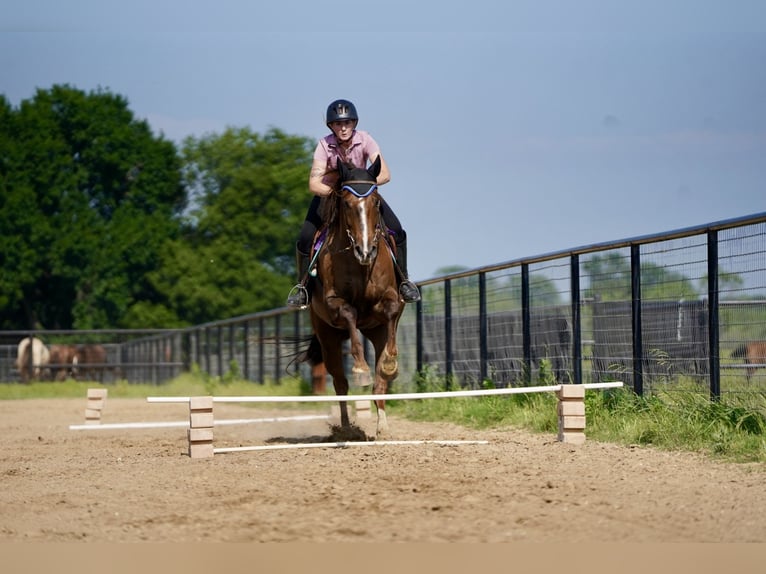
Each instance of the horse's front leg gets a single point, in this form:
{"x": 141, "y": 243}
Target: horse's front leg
{"x": 389, "y": 359}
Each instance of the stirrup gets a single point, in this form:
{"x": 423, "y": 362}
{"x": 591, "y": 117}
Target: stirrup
{"x": 298, "y": 297}
{"x": 409, "y": 291}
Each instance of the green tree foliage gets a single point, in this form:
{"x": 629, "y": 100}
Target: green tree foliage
{"x": 610, "y": 280}
{"x": 505, "y": 295}
{"x": 236, "y": 255}
{"x": 89, "y": 197}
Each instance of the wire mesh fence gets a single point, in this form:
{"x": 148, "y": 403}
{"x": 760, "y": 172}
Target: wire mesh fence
{"x": 680, "y": 310}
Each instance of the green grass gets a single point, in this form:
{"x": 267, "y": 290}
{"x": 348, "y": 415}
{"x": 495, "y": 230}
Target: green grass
{"x": 681, "y": 419}
{"x": 678, "y": 417}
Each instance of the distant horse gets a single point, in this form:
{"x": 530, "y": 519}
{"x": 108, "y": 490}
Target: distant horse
{"x": 753, "y": 352}
{"x": 92, "y": 362}
{"x": 40, "y": 356}
{"x": 63, "y": 361}
{"x": 318, "y": 378}
{"x": 355, "y": 289}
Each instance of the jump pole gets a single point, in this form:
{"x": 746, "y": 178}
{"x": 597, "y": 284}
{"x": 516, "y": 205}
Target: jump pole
{"x": 346, "y": 444}
{"x": 388, "y": 397}
{"x": 185, "y": 424}
{"x": 570, "y": 409}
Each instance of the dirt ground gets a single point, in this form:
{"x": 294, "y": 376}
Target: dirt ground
{"x": 62, "y": 485}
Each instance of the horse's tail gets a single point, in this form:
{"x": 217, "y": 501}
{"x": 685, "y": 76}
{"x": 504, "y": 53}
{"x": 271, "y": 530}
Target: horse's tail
{"x": 21, "y": 357}
{"x": 740, "y": 352}
{"x": 313, "y": 354}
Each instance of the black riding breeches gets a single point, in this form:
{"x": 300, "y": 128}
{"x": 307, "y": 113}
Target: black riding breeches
{"x": 313, "y": 222}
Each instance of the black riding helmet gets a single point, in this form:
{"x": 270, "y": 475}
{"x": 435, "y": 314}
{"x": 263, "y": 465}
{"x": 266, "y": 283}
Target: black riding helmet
{"x": 341, "y": 110}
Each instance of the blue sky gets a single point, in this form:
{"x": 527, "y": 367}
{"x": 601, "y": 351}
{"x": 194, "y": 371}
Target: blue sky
{"x": 511, "y": 128}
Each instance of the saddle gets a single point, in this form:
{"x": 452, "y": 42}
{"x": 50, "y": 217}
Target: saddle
{"x": 321, "y": 236}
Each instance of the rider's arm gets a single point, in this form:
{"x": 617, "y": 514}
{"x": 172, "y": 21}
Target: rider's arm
{"x": 384, "y": 176}
{"x": 320, "y": 181}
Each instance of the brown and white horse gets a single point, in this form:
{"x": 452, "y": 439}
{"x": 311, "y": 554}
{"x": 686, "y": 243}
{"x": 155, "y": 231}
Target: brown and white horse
{"x": 31, "y": 359}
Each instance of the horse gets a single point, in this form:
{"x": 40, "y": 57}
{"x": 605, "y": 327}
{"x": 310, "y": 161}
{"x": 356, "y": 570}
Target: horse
{"x": 355, "y": 289}
{"x": 753, "y": 352}
{"x": 63, "y": 361}
{"x": 40, "y": 356}
{"x": 91, "y": 359}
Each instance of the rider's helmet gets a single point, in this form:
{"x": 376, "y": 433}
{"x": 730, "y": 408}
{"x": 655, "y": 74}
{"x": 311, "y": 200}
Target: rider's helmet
{"x": 341, "y": 110}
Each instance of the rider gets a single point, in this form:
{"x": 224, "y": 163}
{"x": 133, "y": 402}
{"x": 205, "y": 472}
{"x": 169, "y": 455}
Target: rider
{"x": 350, "y": 145}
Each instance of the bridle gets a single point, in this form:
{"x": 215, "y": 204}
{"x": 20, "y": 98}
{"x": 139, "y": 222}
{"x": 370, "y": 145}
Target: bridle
{"x": 348, "y": 186}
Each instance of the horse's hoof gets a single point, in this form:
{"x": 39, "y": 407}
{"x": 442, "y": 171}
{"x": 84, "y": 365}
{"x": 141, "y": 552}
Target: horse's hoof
{"x": 361, "y": 379}
{"x": 389, "y": 367}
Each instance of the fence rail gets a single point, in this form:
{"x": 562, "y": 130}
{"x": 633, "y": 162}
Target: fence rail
{"x": 663, "y": 311}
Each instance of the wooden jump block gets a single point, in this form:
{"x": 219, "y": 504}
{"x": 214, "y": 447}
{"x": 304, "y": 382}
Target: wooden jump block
{"x": 571, "y": 408}
{"x": 363, "y": 409}
{"x": 96, "y": 402}
{"x": 571, "y": 392}
{"x": 572, "y": 437}
{"x": 571, "y": 414}
{"x": 201, "y": 421}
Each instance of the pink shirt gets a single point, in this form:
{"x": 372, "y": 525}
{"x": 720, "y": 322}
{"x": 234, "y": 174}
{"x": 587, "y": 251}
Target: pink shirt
{"x": 363, "y": 149}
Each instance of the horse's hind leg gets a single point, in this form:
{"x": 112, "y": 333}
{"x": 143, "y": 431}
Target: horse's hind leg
{"x": 333, "y": 362}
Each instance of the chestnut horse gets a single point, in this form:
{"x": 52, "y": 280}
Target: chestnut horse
{"x": 355, "y": 289}
{"x": 754, "y": 353}
{"x": 63, "y": 361}
{"x": 91, "y": 361}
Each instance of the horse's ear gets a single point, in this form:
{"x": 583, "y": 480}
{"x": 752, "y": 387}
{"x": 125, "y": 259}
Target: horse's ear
{"x": 342, "y": 171}
{"x": 374, "y": 170}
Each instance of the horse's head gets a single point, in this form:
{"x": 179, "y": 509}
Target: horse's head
{"x": 359, "y": 209}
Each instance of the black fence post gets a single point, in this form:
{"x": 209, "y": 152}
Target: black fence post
{"x": 246, "y": 350}
{"x": 261, "y": 353}
{"x": 278, "y": 336}
{"x": 526, "y": 330}
{"x": 232, "y": 344}
{"x": 576, "y": 320}
{"x": 419, "y": 336}
{"x": 448, "y": 333}
{"x": 712, "y": 309}
{"x": 219, "y": 349}
{"x": 638, "y": 344}
{"x": 483, "y": 351}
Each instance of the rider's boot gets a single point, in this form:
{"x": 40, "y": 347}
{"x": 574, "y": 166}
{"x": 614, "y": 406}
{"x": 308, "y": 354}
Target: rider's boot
{"x": 299, "y": 295}
{"x": 407, "y": 289}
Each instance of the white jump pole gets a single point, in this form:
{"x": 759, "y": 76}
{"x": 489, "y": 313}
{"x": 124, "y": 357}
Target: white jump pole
{"x": 185, "y": 424}
{"x": 347, "y": 444}
{"x": 388, "y": 397}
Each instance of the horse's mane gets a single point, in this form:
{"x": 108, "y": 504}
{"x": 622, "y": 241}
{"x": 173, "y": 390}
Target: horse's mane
{"x": 328, "y": 206}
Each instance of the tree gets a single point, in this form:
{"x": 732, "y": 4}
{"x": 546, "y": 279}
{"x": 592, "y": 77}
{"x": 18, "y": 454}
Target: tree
{"x": 89, "y": 197}
{"x": 236, "y": 255}
{"x": 610, "y": 280}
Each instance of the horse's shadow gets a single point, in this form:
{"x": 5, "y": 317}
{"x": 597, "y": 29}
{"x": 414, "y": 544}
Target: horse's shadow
{"x": 338, "y": 433}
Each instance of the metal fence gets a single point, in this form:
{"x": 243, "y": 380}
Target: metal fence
{"x": 682, "y": 309}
